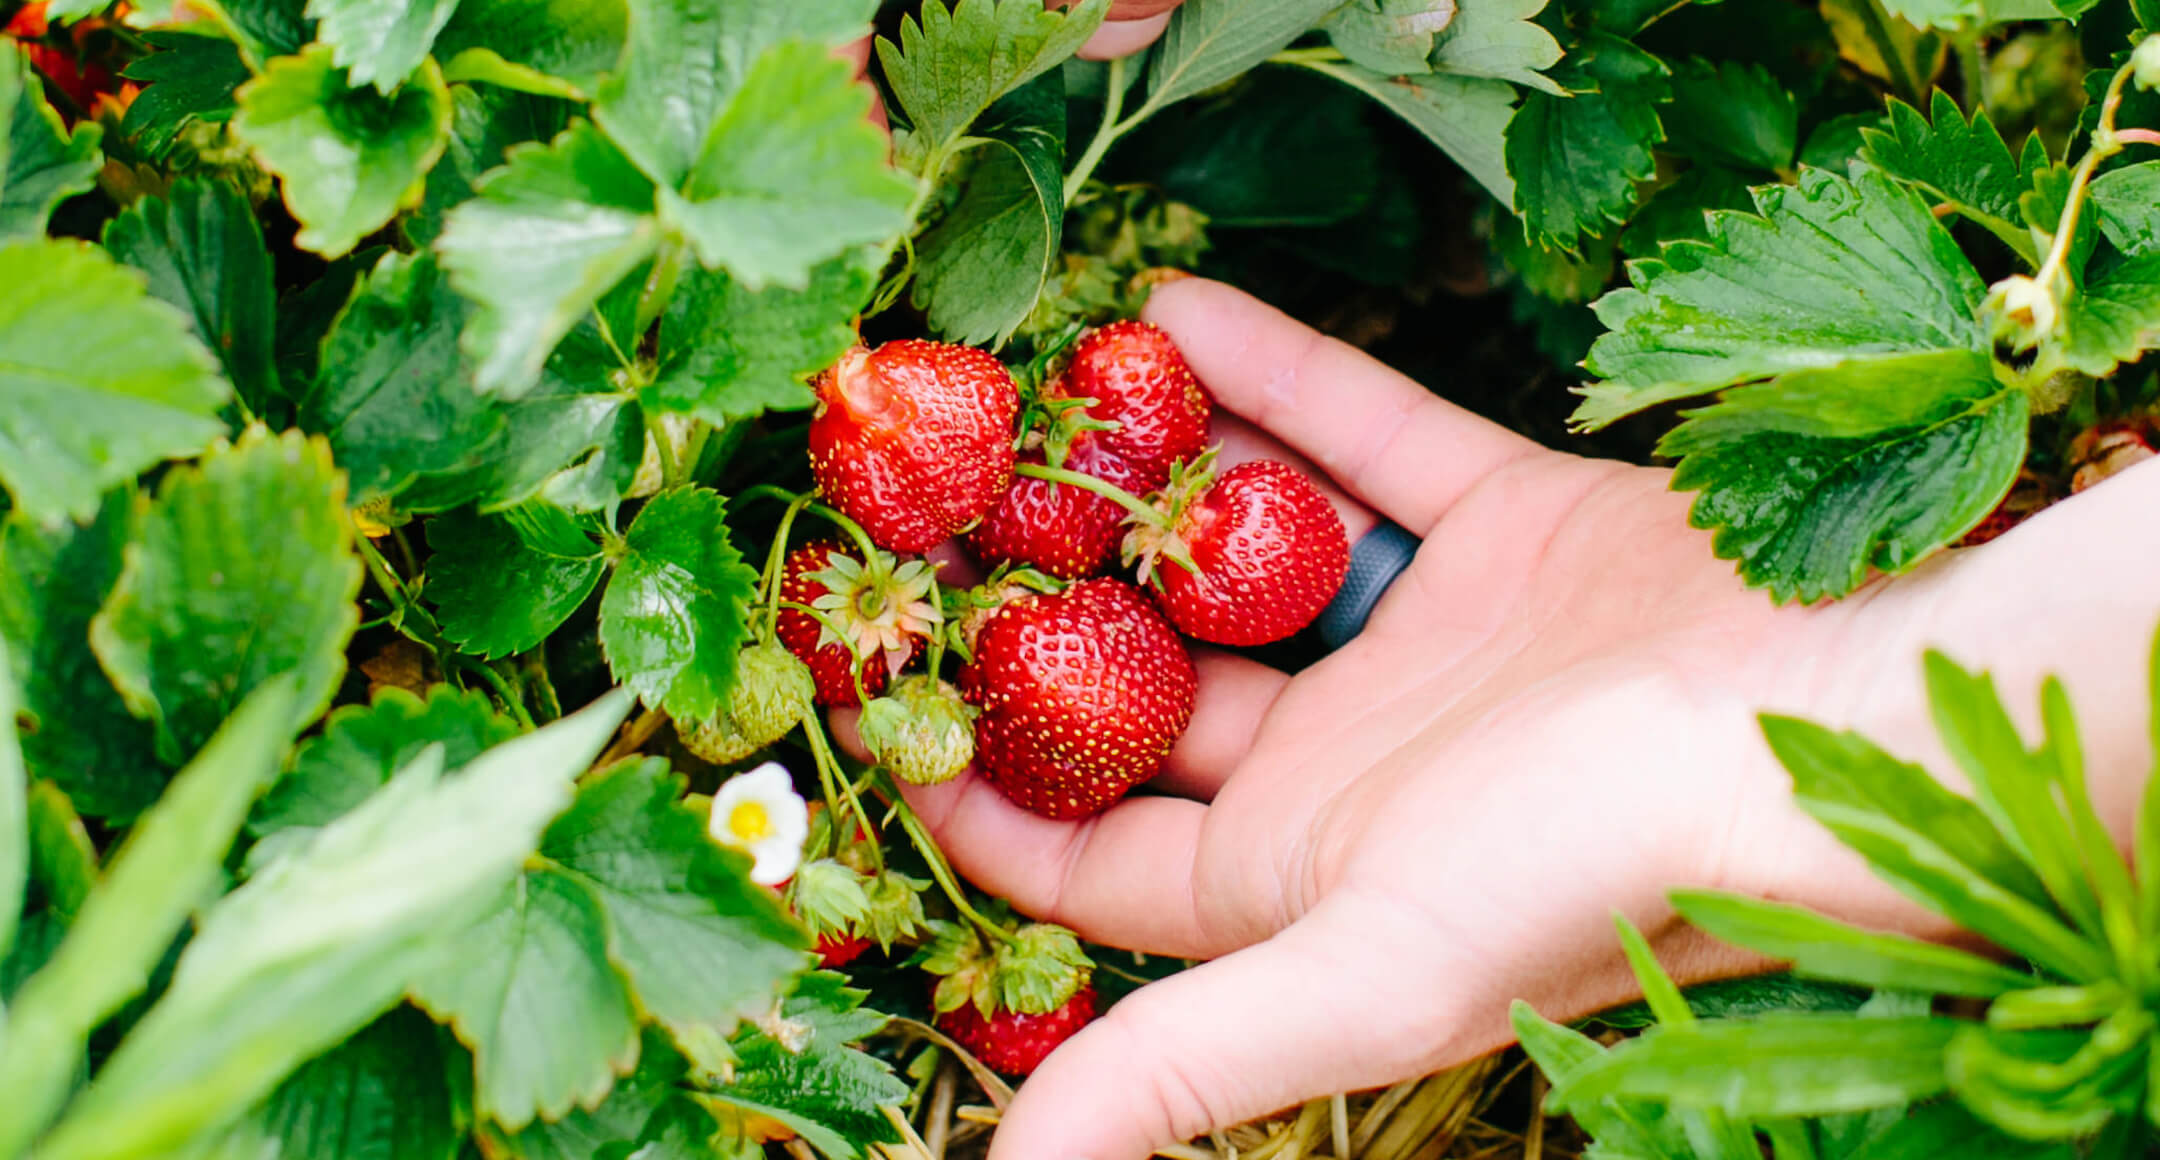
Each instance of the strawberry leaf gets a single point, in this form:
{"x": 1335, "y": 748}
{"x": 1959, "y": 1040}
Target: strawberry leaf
{"x": 635, "y": 1101}
{"x": 2114, "y": 317}
{"x": 686, "y": 60}
{"x": 792, "y": 173}
{"x": 267, "y": 28}
{"x": 2129, "y": 203}
{"x": 1466, "y": 117}
{"x": 242, "y": 570}
{"x": 379, "y": 42}
{"x": 1732, "y": 114}
{"x": 485, "y": 121}
{"x": 549, "y": 233}
{"x": 97, "y": 380}
{"x": 362, "y": 746}
{"x": 502, "y": 583}
{"x": 349, "y": 159}
{"x": 1211, "y": 41}
{"x": 703, "y": 945}
{"x": 379, "y": 1093}
{"x": 1962, "y": 162}
{"x": 560, "y": 48}
{"x": 327, "y": 937}
{"x": 391, "y": 395}
{"x": 980, "y": 270}
{"x": 675, "y": 612}
{"x": 1825, "y": 271}
{"x": 827, "y": 1091}
{"x": 189, "y": 79}
{"x": 1576, "y": 159}
{"x": 1816, "y": 477}
{"x": 204, "y": 253}
{"x": 1389, "y": 36}
{"x": 1498, "y": 40}
{"x": 952, "y": 64}
{"x": 530, "y": 989}
{"x": 41, "y": 163}
{"x": 735, "y": 353}
{"x": 83, "y": 739}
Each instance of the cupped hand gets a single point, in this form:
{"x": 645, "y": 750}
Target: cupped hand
{"x": 1550, "y": 717}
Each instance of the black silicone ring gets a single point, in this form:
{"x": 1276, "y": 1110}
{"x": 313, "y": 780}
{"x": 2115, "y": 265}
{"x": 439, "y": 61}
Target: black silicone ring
{"x": 1375, "y": 561}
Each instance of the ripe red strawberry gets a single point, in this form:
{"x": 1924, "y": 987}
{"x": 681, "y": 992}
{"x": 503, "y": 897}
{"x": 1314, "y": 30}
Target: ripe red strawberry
{"x": 1066, "y": 531}
{"x": 884, "y": 605}
{"x": 1266, "y": 553}
{"x": 1140, "y": 383}
{"x": 1083, "y": 693}
{"x": 913, "y": 440}
{"x": 1016, "y": 1044}
{"x": 835, "y": 950}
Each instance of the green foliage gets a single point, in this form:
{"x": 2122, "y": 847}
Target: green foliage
{"x": 41, "y": 162}
{"x": 675, "y": 611}
{"x": 241, "y": 570}
{"x": 97, "y": 380}
{"x": 2063, "y": 1050}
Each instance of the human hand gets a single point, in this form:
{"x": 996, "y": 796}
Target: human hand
{"x": 1131, "y": 26}
{"x": 1551, "y": 716}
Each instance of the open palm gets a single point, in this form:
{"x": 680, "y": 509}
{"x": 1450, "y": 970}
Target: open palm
{"x": 1551, "y": 716}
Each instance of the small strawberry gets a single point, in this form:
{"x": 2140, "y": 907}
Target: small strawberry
{"x": 773, "y": 692}
{"x": 913, "y": 440}
{"x": 1083, "y": 693}
{"x": 1011, "y": 1004}
{"x": 923, "y": 731}
{"x": 1066, "y": 531}
{"x": 850, "y": 910}
{"x": 1143, "y": 389}
{"x": 1013, "y": 1043}
{"x": 2106, "y": 450}
{"x": 1246, "y": 558}
{"x": 884, "y": 607}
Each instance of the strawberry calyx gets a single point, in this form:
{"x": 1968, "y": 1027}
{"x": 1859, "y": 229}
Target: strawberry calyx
{"x": 876, "y": 606}
{"x": 969, "y": 609}
{"x": 1064, "y": 421}
{"x": 1160, "y": 535}
{"x": 1035, "y": 970}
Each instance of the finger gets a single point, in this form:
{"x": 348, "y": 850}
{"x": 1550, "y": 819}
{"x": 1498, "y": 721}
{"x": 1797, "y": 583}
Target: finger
{"x": 1118, "y": 38}
{"x": 1389, "y": 441}
{"x": 1306, "y": 1013}
{"x": 1235, "y": 696}
{"x": 1123, "y": 877}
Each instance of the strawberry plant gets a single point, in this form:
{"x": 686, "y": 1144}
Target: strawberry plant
{"x": 453, "y": 451}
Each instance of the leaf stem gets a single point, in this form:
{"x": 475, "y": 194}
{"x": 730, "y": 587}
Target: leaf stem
{"x": 1110, "y": 491}
{"x": 2106, "y": 143}
{"x": 776, "y": 556}
{"x": 829, "y": 771}
{"x": 1106, "y": 133}
{"x": 659, "y": 287}
{"x": 512, "y": 699}
{"x": 1318, "y": 54}
{"x": 854, "y": 531}
{"x": 932, "y": 856}
{"x": 537, "y": 679}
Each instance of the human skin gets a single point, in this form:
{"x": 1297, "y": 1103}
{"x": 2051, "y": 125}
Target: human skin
{"x": 1549, "y": 718}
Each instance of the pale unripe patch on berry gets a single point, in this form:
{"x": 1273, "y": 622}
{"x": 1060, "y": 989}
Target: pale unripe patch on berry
{"x": 2145, "y": 63}
{"x": 760, "y": 814}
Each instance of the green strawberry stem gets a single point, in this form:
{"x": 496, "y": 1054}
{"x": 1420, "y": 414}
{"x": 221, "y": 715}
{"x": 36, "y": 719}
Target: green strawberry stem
{"x": 1140, "y": 508}
{"x": 776, "y": 558}
{"x": 831, "y": 776}
{"x": 2106, "y": 143}
{"x": 838, "y": 630}
{"x": 863, "y": 543}
{"x": 1106, "y": 132}
{"x": 932, "y": 856}
{"x": 937, "y": 638}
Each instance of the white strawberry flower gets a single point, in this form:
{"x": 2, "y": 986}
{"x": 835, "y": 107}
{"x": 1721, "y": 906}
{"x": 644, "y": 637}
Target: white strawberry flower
{"x": 760, "y": 814}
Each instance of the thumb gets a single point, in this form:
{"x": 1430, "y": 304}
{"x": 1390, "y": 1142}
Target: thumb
{"x": 1320, "y": 1008}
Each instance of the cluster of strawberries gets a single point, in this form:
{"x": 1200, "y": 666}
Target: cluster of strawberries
{"x": 1104, "y": 530}
{"x": 1076, "y": 681}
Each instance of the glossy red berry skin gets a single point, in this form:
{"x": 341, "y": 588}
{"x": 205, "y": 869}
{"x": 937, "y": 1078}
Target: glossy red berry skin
{"x": 1140, "y": 382}
{"x": 1015, "y": 1044}
{"x": 1068, "y": 532}
{"x": 799, "y": 632}
{"x": 914, "y": 440}
{"x": 1083, "y": 694}
{"x": 1271, "y": 553}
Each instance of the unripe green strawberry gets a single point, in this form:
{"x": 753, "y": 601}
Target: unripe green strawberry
{"x": 922, "y": 731}
{"x": 773, "y": 692}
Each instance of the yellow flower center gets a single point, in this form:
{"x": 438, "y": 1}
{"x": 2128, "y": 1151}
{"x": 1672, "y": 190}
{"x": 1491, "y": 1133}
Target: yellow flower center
{"x": 749, "y": 823}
